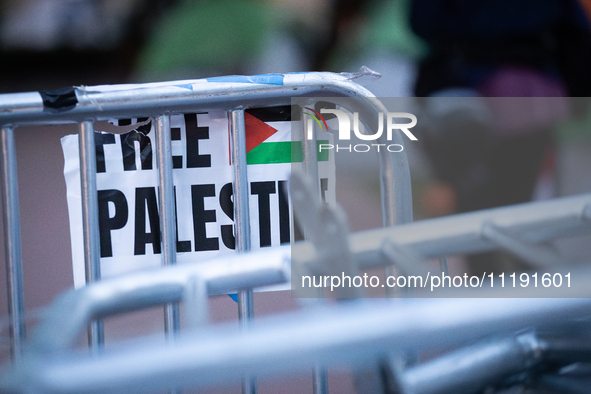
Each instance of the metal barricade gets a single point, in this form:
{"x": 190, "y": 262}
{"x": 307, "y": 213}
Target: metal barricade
{"x": 351, "y": 334}
{"x": 84, "y": 105}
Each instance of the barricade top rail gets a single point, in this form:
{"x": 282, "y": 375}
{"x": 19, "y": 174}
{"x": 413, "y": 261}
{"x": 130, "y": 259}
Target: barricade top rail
{"x": 85, "y": 103}
{"x": 77, "y": 104}
{"x": 220, "y": 275}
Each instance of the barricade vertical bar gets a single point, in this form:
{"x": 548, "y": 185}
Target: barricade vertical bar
{"x": 310, "y": 152}
{"x": 395, "y": 191}
{"x": 443, "y": 265}
{"x": 167, "y": 213}
{"x": 395, "y": 186}
{"x": 12, "y": 242}
{"x": 242, "y": 222}
{"x": 310, "y": 156}
{"x": 172, "y": 321}
{"x": 396, "y": 198}
{"x": 90, "y": 220}
{"x": 320, "y": 381}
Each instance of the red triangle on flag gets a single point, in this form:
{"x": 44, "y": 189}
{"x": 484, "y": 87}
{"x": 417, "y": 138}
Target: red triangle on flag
{"x": 257, "y": 131}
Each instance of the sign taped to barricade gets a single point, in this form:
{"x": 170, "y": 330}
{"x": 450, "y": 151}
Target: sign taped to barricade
{"x": 127, "y": 181}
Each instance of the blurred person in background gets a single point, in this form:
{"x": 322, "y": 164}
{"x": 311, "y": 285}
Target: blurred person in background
{"x": 204, "y": 38}
{"x": 208, "y": 38}
{"x": 486, "y": 151}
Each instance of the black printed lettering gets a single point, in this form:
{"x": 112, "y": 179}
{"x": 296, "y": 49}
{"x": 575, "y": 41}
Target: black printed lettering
{"x": 175, "y": 135}
{"x": 101, "y": 139}
{"x": 128, "y": 141}
{"x": 107, "y": 223}
{"x": 194, "y": 134}
{"x": 263, "y": 190}
{"x": 201, "y": 216}
{"x": 181, "y": 246}
{"x": 284, "y": 236}
{"x": 227, "y": 205}
{"x": 323, "y": 188}
{"x": 145, "y": 200}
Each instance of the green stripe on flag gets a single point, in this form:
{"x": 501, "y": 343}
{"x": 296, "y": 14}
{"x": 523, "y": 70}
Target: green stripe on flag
{"x": 281, "y": 152}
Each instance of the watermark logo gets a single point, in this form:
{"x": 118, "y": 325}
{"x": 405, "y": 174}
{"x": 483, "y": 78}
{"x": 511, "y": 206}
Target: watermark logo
{"x": 318, "y": 115}
{"x": 344, "y": 132}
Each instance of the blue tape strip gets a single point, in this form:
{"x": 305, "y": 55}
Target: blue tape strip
{"x": 185, "y": 86}
{"x": 234, "y": 297}
{"x": 266, "y": 79}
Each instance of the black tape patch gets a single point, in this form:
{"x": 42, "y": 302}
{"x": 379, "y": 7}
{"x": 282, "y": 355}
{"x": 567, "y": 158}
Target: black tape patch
{"x": 272, "y": 114}
{"x": 60, "y": 100}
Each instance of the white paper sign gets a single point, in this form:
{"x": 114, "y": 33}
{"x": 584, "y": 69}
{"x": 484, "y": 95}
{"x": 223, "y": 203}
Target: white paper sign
{"x": 127, "y": 179}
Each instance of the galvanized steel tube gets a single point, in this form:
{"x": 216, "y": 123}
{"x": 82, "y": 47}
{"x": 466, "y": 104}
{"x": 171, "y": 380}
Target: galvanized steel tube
{"x": 166, "y": 199}
{"x": 12, "y": 241}
{"x": 350, "y": 334}
{"x": 90, "y": 222}
{"x": 242, "y": 221}
{"x": 471, "y": 369}
{"x": 154, "y": 287}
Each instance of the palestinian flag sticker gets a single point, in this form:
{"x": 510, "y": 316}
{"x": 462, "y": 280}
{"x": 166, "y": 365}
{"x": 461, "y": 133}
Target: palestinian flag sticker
{"x": 269, "y": 137}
